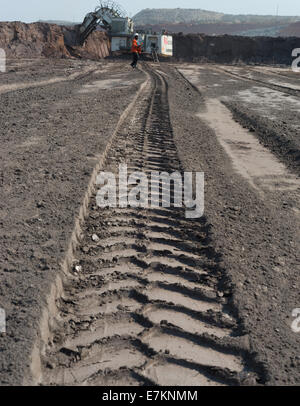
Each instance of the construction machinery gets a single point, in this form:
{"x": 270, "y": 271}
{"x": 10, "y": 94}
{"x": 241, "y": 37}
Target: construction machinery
{"x": 112, "y": 18}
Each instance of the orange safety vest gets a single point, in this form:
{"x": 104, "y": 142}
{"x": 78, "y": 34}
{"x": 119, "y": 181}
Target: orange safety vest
{"x": 135, "y": 47}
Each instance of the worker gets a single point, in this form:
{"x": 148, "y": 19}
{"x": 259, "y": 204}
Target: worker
{"x": 136, "y": 51}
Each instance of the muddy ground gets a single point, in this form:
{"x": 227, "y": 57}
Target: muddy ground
{"x": 52, "y": 136}
{"x": 256, "y": 228}
{"x": 57, "y": 121}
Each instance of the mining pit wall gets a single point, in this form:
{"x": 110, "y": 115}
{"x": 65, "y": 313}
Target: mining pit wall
{"x": 231, "y": 49}
{"x": 20, "y": 40}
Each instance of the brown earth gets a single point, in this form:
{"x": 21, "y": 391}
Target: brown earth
{"x": 136, "y": 296}
{"x": 53, "y": 135}
{"x": 35, "y": 40}
{"x": 258, "y": 237}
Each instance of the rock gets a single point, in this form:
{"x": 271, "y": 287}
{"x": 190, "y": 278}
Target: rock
{"x": 95, "y": 238}
{"x": 281, "y": 261}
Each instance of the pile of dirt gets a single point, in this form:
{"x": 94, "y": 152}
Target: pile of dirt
{"x": 228, "y": 49}
{"x": 20, "y": 40}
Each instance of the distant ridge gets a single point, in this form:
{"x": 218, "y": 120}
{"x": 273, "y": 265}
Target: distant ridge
{"x": 182, "y": 15}
{"x": 213, "y": 23}
{"x": 176, "y": 15}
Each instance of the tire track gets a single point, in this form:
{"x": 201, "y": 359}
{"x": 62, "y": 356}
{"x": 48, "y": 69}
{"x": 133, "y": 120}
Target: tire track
{"x": 273, "y": 86}
{"x": 52, "y": 81}
{"x": 143, "y": 304}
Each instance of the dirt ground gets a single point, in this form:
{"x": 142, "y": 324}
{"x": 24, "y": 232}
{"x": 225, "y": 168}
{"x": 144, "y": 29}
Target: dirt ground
{"x": 55, "y": 125}
{"x": 100, "y": 297}
{"x": 253, "y": 207}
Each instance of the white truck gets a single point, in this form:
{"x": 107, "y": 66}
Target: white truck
{"x": 161, "y": 43}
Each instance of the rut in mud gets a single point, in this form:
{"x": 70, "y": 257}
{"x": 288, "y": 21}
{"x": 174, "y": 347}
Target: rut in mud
{"x": 284, "y": 88}
{"x": 143, "y": 304}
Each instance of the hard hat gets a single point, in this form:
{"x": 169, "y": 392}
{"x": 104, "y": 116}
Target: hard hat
{"x": 136, "y": 34}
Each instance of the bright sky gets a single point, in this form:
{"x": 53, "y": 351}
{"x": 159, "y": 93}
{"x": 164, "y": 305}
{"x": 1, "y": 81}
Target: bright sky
{"x": 75, "y": 10}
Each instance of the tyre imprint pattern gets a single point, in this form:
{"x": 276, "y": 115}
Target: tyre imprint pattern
{"x": 142, "y": 306}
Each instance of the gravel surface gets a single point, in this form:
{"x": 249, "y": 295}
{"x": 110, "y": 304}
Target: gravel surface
{"x": 57, "y": 121}
{"x": 257, "y": 234}
{"x": 52, "y": 137}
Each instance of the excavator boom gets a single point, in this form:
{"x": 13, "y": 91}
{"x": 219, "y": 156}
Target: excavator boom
{"x": 103, "y": 16}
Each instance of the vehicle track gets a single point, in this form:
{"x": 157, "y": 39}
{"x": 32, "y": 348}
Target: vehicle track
{"x": 282, "y": 89}
{"x": 144, "y": 303}
{"x": 49, "y": 82}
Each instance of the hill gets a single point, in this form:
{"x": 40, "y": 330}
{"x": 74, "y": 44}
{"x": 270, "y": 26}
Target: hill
{"x": 293, "y": 30}
{"x": 181, "y": 15}
{"x": 212, "y": 23}
{"x": 174, "y": 16}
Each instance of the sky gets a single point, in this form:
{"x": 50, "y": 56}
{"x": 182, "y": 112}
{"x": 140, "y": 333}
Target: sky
{"x": 75, "y": 10}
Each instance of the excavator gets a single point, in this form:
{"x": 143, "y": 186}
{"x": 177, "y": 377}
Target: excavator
{"x": 111, "y": 17}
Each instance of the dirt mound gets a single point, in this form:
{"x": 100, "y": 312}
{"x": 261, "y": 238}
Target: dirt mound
{"x": 97, "y": 45}
{"x": 20, "y": 40}
{"x": 228, "y": 49}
